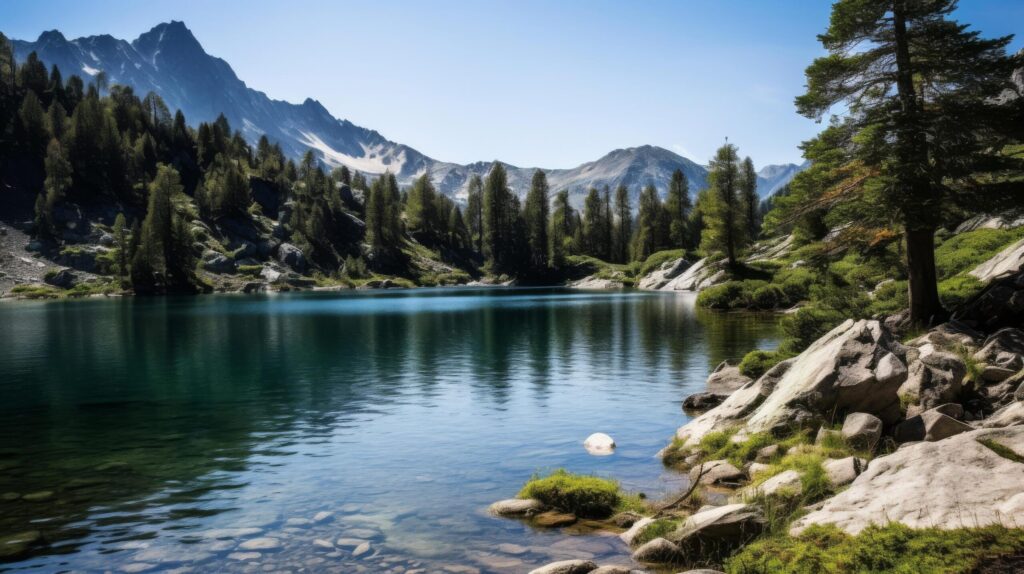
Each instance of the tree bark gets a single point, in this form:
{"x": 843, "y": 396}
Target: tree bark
{"x": 912, "y": 179}
{"x": 925, "y": 307}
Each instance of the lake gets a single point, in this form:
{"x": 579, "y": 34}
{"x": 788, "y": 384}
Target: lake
{"x": 161, "y": 434}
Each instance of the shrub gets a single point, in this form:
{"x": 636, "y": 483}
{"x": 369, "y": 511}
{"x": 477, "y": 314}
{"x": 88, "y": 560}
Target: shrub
{"x": 808, "y": 325}
{"x": 757, "y": 362}
{"x": 890, "y": 548}
{"x": 720, "y": 445}
{"x": 720, "y": 296}
{"x": 890, "y": 298}
{"x": 769, "y": 297}
{"x": 796, "y": 284}
{"x": 584, "y": 496}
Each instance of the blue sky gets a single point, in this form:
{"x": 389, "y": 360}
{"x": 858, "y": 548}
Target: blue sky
{"x": 535, "y": 83}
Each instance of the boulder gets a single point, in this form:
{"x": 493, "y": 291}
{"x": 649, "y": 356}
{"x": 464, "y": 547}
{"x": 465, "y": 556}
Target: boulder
{"x": 768, "y": 453}
{"x": 716, "y": 472}
{"x": 929, "y": 426}
{"x": 949, "y": 336}
{"x": 935, "y": 378}
{"x": 701, "y": 274}
{"x": 663, "y": 274}
{"x": 1010, "y": 415}
{"x": 1006, "y": 262}
{"x": 955, "y": 483}
{"x": 856, "y": 367}
{"x": 599, "y": 444}
{"x": 595, "y": 282}
{"x": 517, "y": 507}
{"x": 704, "y": 401}
{"x": 825, "y": 435}
{"x": 270, "y": 274}
{"x": 291, "y": 256}
{"x": 625, "y": 519}
{"x": 566, "y": 567}
{"x": 65, "y": 279}
{"x": 658, "y": 551}
{"x": 862, "y": 430}
{"x": 841, "y": 472}
{"x": 719, "y": 529}
{"x": 612, "y": 569}
{"x": 217, "y": 263}
{"x": 554, "y": 519}
{"x": 1003, "y": 349}
{"x": 726, "y": 379}
{"x": 635, "y": 530}
{"x": 734, "y": 409}
{"x": 785, "y": 483}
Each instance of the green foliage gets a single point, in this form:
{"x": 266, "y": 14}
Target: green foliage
{"x": 657, "y": 529}
{"x": 720, "y": 445}
{"x": 725, "y": 223}
{"x": 757, "y": 362}
{"x": 584, "y": 496}
{"x": 651, "y": 225}
{"x": 957, "y": 290}
{"x": 657, "y": 259}
{"x": 536, "y": 216}
{"x": 890, "y": 548}
{"x": 678, "y": 207}
{"x": 964, "y": 251}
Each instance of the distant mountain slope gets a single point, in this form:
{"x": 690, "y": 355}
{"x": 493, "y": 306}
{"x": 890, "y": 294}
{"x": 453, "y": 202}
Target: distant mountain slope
{"x": 170, "y": 61}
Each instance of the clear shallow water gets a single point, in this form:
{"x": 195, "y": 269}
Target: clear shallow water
{"x": 154, "y": 424}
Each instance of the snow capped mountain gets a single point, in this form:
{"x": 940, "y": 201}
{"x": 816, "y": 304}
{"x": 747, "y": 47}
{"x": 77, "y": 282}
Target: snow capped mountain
{"x": 772, "y": 178}
{"x": 170, "y": 61}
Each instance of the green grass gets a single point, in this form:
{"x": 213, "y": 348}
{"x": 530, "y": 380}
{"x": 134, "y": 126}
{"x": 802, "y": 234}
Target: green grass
{"x": 36, "y": 291}
{"x": 582, "y": 495}
{"x": 658, "y": 259}
{"x": 1002, "y": 450}
{"x": 891, "y": 548}
{"x": 657, "y": 529}
{"x": 959, "y": 289}
{"x": 966, "y": 251}
{"x": 251, "y": 270}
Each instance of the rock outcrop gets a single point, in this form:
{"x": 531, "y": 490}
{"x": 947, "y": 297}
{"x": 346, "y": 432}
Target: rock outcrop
{"x": 701, "y": 274}
{"x": 953, "y": 483}
{"x": 663, "y": 274}
{"x": 1006, "y": 262}
{"x": 856, "y": 367}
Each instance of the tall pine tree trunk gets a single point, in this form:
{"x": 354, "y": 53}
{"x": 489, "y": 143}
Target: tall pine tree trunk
{"x": 912, "y": 154}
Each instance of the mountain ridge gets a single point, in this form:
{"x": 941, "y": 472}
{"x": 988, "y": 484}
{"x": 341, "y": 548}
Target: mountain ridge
{"x": 169, "y": 60}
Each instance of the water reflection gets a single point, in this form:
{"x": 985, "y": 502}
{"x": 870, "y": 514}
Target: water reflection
{"x": 129, "y": 428}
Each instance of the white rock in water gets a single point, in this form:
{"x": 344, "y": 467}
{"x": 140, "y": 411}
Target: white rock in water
{"x": 599, "y": 444}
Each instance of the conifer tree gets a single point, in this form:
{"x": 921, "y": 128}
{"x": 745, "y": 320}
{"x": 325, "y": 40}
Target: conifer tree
{"x": 623, "y": 235}
{"x": 677, "y": 204}
{"x": 32, "y": 132}
{"x": 121, "y": 243}
{"x": 561, "y": 228}
{"x": 475, "y": 211}
{"x": 499, "y": 220}
{"x": 751, "y": 201}
{"x": 55, "y": 186}
{"x": 163, "y": 260}
{"x": 421, "y": 208}
{"x": 536, "y": 216}
{"x": 650, "y": 225}
{"x": 723, "y": 212}
{"x": 924, "y": 119}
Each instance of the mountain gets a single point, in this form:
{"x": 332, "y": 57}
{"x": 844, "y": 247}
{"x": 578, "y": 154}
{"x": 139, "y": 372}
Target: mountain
{"x": 170, "y": 61}
{"x": 772, "y": 178}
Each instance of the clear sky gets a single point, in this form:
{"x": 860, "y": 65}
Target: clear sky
{"x": 532, "y": 82}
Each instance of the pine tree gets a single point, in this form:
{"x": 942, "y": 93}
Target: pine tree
{"x": 536, "y": 216}
{"x": 458, "y": 235}
{"x": 561, "y": 228}
{"x": 724, "y": 221}
{"x": 420, "y": 208}
{"x": 921, "y": 107}
{"x": 650, "y": 226}
{"x": 121, "y": 244}
{"x": 55, "y": 186}
{"x": 678, "y": 207}
{"x": 748, "y": 196}
{"x": 498, "y": 220}
{"x": 32, "y": 132}
{"x": 623, "y": 234}
{"x": 475, "y": 211}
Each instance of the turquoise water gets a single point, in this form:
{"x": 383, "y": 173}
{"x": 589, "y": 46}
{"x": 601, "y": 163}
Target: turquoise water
{"x": 141, "y": 429}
